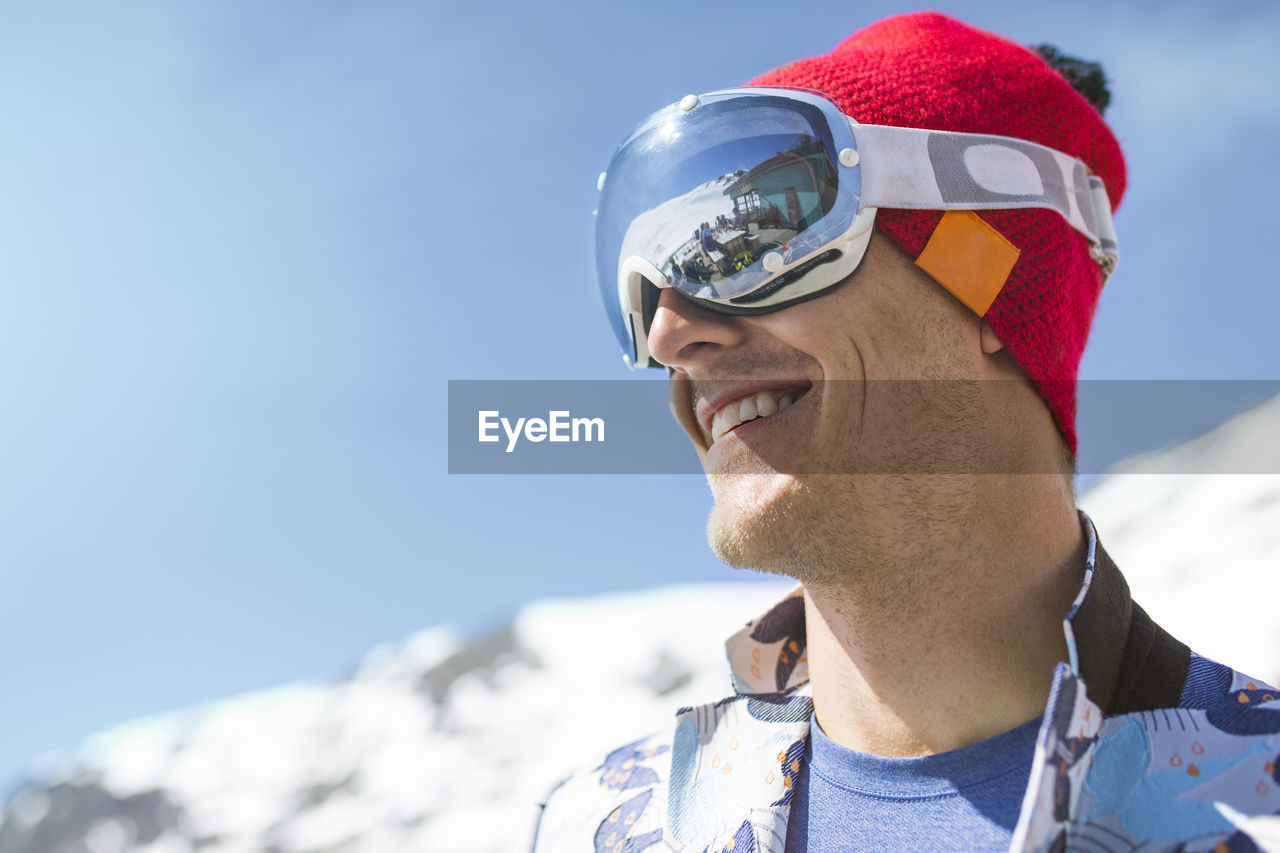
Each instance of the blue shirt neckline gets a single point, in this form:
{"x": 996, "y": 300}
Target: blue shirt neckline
{"x": 943, "y": 774}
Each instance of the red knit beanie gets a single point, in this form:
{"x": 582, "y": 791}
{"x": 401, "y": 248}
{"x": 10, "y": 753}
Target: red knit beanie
{"x": 929, "y": 71}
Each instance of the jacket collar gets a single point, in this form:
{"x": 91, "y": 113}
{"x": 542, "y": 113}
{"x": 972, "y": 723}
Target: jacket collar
{"x": 1097, "y": 625}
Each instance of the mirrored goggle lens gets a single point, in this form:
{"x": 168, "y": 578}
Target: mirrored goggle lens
{"x": 704, "y": 195}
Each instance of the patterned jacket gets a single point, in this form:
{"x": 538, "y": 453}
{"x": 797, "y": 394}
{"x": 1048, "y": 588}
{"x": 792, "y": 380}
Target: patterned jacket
{"x": 1164, "y": 750}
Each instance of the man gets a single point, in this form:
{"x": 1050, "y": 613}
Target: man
{"x": 885, "y": 408}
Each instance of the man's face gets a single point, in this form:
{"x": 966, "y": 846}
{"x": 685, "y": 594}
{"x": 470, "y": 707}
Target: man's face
{"x": 880, "y": 373}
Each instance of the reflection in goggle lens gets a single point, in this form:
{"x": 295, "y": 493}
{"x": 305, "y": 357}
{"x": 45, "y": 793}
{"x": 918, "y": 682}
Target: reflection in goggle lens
{"x": 747, "y": 213}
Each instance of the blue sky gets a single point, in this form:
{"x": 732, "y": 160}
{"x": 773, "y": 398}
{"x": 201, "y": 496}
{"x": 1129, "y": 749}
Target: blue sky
{"x": 243, "y": 247}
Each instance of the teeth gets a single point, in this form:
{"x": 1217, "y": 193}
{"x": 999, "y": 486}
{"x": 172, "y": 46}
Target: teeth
{"x": 762, "y": 404}
{"x": 725, "y": 420}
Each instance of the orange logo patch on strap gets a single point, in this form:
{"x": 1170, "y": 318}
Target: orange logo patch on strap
{"x": 969, "y": 258}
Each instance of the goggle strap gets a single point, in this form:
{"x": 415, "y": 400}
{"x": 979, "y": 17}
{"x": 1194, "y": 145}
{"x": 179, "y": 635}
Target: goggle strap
{"x": 940, "y": 170}
{"x": 1107, "y": 251}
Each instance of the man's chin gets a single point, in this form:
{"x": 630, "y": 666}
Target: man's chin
{"x": 757, "y": 522}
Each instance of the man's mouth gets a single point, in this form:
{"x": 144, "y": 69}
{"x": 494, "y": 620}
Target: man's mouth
{"x": 750, "y": 407}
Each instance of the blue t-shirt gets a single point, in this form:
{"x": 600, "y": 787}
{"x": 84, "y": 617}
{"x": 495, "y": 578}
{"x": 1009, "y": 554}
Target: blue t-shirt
{"x": 967, "y": 799}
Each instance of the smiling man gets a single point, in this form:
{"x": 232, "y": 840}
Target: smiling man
{"x": 874, "y": 351}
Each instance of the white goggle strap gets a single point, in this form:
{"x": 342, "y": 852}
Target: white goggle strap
{"x": 939, "y": 170}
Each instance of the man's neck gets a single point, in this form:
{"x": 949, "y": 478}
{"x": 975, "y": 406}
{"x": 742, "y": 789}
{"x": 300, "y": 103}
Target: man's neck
{"x": 915, "y": 660}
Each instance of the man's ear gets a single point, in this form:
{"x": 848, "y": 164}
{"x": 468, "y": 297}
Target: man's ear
{"x": 991, "y": 344}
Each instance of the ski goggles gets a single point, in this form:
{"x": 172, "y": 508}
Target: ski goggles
{"x": 749, "y": 200}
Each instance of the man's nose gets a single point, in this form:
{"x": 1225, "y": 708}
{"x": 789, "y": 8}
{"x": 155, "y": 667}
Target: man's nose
{"x": 682, "y": 333}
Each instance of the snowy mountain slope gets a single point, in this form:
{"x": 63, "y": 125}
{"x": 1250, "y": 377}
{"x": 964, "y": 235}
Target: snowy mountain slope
{"x": 434, "y": 745}
{"x": 442, "y": 744}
